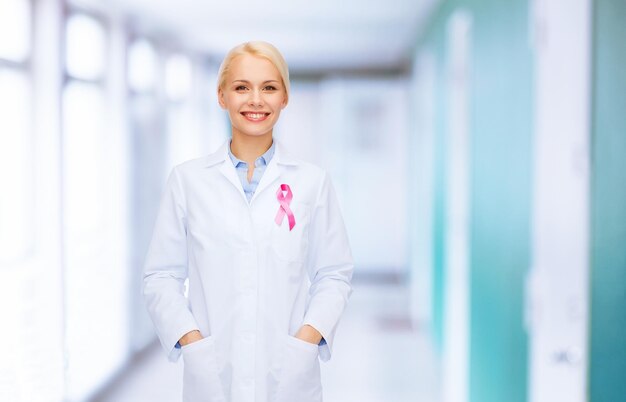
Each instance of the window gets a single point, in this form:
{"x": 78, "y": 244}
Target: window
{"x": 15, "y": 30}
{"x": 16, "y": 203}
{"x": 183, "y": 136}
{"x": 85, "y": 53}
{"x": 142, "y": 67}
{"x": 94, "y": 194}
{"x": 146, "y": 116}
{"x": 17, "y": 199}
{"x": 178, "y": 77}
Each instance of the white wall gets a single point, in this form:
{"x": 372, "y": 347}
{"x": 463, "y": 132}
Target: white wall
{"x": 357, "y": 129}
{"x": 558, "y": 293}
{"x": 421, "y": 162}
{"x": 457, "y": 288}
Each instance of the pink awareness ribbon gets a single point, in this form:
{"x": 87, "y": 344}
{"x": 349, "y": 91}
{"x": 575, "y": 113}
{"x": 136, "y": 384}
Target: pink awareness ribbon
{"x": 284, "y": 209}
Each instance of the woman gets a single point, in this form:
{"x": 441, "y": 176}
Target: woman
{"x": 260, "y": 237}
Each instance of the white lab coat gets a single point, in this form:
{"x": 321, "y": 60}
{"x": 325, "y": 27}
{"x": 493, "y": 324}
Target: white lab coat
{"x": 252, "y": 283}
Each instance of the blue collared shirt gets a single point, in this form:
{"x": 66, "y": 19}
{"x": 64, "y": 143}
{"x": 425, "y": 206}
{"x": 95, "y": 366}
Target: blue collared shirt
{"x": 260, "y": 164}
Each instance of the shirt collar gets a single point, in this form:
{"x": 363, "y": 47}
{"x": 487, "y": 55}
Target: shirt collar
{"x": 261, "y": 160}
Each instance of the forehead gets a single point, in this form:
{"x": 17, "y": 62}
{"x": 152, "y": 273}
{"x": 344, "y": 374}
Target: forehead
{"x": 252, "y": 68}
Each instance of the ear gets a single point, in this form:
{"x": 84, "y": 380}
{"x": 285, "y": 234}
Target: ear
{"x": 220, "y": 98}
{"x": 284, "y": 103}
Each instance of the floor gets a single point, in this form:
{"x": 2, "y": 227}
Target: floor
{"x": 378, "y": 357}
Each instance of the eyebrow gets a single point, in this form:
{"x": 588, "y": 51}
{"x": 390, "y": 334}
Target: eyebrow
{"x": 247, "y": 82}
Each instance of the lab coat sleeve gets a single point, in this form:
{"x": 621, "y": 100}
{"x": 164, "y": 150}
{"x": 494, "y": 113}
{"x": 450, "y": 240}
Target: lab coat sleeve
{"x": 329, "y": 265}
{"x": 165, "y": 270}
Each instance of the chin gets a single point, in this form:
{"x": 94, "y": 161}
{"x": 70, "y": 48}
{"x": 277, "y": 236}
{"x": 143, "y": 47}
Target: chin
{"x": 255, "y": 134}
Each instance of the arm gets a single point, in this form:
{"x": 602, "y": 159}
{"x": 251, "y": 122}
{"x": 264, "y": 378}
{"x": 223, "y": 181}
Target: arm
{"x": 165, "y": 270}
{"x": 330, "y": 268}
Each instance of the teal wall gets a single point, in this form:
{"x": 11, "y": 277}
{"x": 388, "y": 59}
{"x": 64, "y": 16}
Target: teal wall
{"x": 500, "y": 200}
{"x": 607, "y": 375}
{"x": 500, "y": 172}
{"x": 439, "y": 205}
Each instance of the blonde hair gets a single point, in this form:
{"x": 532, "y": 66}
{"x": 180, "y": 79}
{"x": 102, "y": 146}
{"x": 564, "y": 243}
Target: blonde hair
{"x": 259, "y": 49}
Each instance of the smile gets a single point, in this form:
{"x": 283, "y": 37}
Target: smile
{"x": 250, "y": 116}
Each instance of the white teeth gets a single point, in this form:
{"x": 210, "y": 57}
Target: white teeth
{"x": 255, "y": 116}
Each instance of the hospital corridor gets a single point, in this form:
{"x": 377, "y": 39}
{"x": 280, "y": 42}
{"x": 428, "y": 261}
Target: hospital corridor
{"x": 450, "y": 219}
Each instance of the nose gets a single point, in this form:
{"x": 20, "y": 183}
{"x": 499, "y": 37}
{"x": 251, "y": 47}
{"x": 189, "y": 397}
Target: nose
{"x": 255, "y": 99}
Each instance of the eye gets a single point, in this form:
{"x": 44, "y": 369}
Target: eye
{"x": 270, "y": 88}
{"x": 240, "y": 88}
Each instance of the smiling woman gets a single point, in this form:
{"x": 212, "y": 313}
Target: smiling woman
{"x": 250, "y": 98}
{"x": 260, "y": 237}
{"x": 253, "y": 88}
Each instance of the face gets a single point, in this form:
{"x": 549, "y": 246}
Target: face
{"x": 253, "y": 95}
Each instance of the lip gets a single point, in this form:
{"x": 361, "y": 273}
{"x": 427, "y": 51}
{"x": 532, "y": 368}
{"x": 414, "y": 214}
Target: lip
{"x": 247, "y": 116}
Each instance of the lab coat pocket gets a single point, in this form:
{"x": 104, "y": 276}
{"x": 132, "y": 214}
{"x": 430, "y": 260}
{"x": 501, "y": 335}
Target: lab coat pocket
{"x": 300, "y": 373}
{"x": 291, "y": 245}
{"x": 201, "y": 382}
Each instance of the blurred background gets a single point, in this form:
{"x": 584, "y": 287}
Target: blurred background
{"x": 478, "y": 148}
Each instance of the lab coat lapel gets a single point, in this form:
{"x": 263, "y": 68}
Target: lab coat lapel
{"x": 226, "y": 167}
{"x": 229, "y": 171}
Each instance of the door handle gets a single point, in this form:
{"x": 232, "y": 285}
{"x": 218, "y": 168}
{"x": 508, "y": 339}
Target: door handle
{"x": 569, "y": 356}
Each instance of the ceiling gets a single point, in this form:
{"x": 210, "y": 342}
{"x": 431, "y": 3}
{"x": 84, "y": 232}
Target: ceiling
{"x": 314, "y": 36}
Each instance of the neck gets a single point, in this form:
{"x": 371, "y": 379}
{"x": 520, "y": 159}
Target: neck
{"x": 248, "y": 148}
